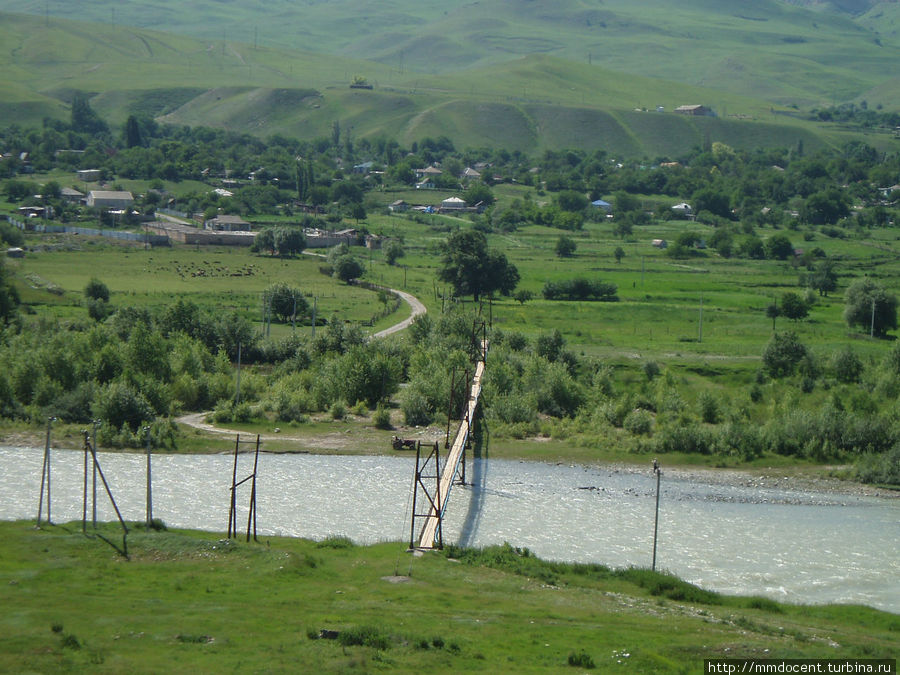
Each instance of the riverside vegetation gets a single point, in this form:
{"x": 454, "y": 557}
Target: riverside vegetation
{"x": 642, "y": 372}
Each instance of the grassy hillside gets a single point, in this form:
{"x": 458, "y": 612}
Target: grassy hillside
{"x": 529, "y": 103}
{"x": 773, "y": 49}
{"x": 192, "y": 601}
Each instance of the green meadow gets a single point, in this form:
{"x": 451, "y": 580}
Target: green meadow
{"x": 194, "y": 601}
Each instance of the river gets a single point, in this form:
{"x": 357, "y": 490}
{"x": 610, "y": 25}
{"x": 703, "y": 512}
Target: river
{"x": 789, "y": 544}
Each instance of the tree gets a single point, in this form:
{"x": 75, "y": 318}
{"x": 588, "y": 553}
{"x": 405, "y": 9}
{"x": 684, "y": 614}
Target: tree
{"x": 523, "y": 296}
{"x": 84, "y": 119}
{"x": 619, "y": 253}
{"x": 133, "y": 138}
{"x": 624, "y": 202}
{"x": 474, "y": 269}
{"x": 622, "y": 226}
{"x": 96, "y": 290}
{"x": 478, "y": 193}
{"x": 289, "y": 241}
{"x": 823, "y": 278}
{"x": 570, "y": 200}
{"x": 773, "y": 312}
{"x": 779, "y": 247}
{"x": 347, "y": 268}
{"x": 869, "y": 306}
{"x": 708, "y": 199}
{"x": 847, "y": 365}
{"x": 793, "y": 306}
{"x": 392, "y": 251}
{"x": 825, "y": 208}
{"x": 264, "y": 241}
{"x": 9, "y": 297}
{"x": 286, "y": 302}
{"x": 782, "y": 354}
{"x": 565, "y": 247}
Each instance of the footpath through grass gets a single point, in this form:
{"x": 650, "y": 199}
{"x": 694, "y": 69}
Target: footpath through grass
{"x": 191, "y": 601}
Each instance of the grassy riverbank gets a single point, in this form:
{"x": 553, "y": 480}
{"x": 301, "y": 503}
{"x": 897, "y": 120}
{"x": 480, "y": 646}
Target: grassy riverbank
{"x": 193, "y": 601}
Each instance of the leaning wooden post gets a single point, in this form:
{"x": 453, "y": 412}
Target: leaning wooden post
{"x": 45, "y": 474}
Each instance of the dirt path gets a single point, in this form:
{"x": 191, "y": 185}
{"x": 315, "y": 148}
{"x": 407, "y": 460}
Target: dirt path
{"x": 328, "y": 441}
{"x": 417, "y": 310}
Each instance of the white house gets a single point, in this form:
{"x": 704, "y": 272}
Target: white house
{"x": 683, "y": 209}
{"x": 453, "y": 204}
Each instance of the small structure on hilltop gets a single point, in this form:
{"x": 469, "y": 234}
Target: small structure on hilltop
{"x": 700, "y": 110}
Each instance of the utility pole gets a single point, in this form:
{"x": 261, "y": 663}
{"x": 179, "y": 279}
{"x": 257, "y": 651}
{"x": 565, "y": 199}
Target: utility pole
{"x": 872, "y": 324}
{"x": 95, "y": 427}
{"x": 700, "y": 339}
{"x": 237, "y": 386}
{"x": 149, "y": 483}
{"x": 658, "y": 473}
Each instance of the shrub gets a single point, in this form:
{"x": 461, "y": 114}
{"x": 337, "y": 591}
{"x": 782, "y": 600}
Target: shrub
{"x": 651, "y": 370}
{"x": 580, "y": 289}
{"x": 581, "y": 660}
{"x": 847, "y": 365}
{"x": 338, "y": 410}
{"x": 709, "y": 408}
{"x": 689, "y": 438}
{"x": 381, "y": 418}
{"x": 782, "y": 354}
{"x": 416, "y": 411}
{"x": 881, "y": 468}
{"x": 638, "y": 422}
{"x": 365, "y": 636}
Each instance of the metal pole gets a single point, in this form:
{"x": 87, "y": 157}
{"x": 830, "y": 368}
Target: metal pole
{"x": 450, "y": 406}
{"x": 656, "y": 520}
{"x": 232, "y": 514}
{"x": 96, "y": 425}
{"x": 149, "y": 483}
{"x": 84, "y": 498}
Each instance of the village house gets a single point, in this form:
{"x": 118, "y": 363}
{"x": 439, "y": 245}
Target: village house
{"x": 683, "y": 209}
{"x": 88, "y": 175}
{"x": 70, "y": 195}
{"x": 453, "y": 204}
{"x": 223, "y": 223}
{"x": 425, "y": 177}
{"x": 694, "y": 110}
{"x": 109, "y": 199}
{"x": 398, "y": 206}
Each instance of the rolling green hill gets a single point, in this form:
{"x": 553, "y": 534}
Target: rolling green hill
{"x": 769, "y": 49}
{"x": 528, "y": 102}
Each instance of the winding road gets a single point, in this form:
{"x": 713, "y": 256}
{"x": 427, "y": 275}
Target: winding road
{"x": 417, "y": 310}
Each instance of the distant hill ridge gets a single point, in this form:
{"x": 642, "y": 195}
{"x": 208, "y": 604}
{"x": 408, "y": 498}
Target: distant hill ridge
{"x": 512, "y": 84}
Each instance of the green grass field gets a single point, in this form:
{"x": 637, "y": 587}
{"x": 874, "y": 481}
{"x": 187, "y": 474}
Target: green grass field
{"x": 193, "y": 601}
